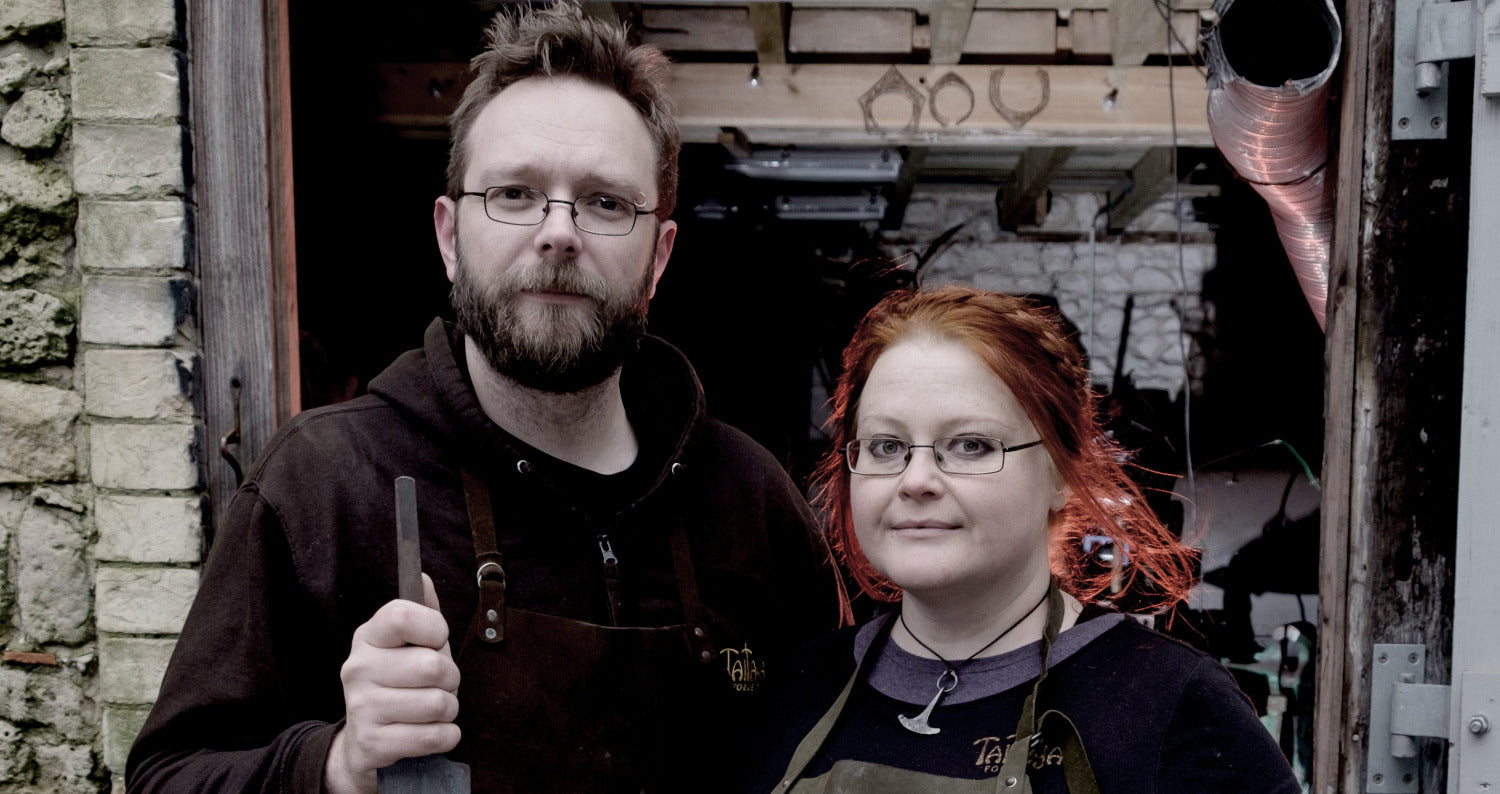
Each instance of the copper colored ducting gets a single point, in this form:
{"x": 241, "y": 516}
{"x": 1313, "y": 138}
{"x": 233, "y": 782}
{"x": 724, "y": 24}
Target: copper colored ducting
{"x": 1269, "y": 63}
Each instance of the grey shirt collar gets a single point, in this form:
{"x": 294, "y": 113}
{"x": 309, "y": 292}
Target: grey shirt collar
{"x": 908, "y": 678}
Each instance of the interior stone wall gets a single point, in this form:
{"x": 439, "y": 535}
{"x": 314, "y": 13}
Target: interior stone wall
{"x": 1092, "y": 281}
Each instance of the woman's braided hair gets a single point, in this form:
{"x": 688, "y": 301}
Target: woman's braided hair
{"x": 1024, "y": 345}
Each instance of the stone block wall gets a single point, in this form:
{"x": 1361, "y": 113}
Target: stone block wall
{"x": 1091, "y": 282}
{"x": 101, "y": 473}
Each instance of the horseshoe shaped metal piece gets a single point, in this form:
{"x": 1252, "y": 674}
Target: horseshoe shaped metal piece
{"x": 1018, "y": 118}
{"x": 892, "y": 82}
{"x": 951, "y": 78}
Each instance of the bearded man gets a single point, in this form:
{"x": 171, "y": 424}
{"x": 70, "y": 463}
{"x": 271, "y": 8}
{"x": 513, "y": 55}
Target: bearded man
{"x": 615, "y": 578}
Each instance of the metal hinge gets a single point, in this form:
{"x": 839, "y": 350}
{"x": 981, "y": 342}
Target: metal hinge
{"x": 1404, "y": 709}
{"x": 1428, "y": 35}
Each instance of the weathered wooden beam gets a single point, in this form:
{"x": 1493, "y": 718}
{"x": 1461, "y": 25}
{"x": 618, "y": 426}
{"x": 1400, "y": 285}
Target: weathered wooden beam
{"x": 948, "y": 23}
{"x": 1018, "y": 204}
{"x": 820, "y": 104}
{"x": 239, "y": 102}
{"x": 995, "y": 32}
{"x": 1089, "y": 32}
{"x": 717, "y": 29}
{"x": 1063, "y": 6}
{"x": 1338, "y": 553}
{"x": 1069, "y": 6}
{"x": 1150, "y": 179}
{"x": 1136, "y": 30}
{"x": 812, "y": 104}
{"x": 923, "y": 5}
{"x": 885, "y": 31}
{"x": 768, "y": 21}
{"x": 1395, "y": 366}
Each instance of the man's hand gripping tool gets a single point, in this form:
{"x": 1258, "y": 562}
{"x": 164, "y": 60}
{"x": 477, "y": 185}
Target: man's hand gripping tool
{"x": 429, "y": 774}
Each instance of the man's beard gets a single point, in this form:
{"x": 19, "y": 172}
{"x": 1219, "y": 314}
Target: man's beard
{"x": 548, "y": 347}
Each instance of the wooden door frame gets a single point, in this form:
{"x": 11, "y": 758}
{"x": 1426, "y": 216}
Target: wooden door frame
{"x": 239, "y": 102}
{"x": 1391, "y": 546}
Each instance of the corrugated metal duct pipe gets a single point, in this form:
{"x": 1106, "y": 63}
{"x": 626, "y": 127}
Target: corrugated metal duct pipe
{"x": 1269, "y": 62}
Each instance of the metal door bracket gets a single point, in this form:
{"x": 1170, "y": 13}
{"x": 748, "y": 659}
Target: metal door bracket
{"x": 1428, "y": 35}
{"x": 1402, "y": 708}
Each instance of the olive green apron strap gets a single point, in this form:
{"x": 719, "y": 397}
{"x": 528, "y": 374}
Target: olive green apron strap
{"x": 813, "y": 741}
{"x": 489, "y": 617}
{"x": 1076, "y": 768}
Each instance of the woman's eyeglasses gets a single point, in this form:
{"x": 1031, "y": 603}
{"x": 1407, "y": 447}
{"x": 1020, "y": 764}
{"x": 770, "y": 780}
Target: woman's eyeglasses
{"x": 956, "y": 455}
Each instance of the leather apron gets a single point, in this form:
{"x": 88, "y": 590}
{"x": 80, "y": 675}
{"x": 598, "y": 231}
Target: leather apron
{"x": 553, "y": 704}
{"x": 862, "y": 777}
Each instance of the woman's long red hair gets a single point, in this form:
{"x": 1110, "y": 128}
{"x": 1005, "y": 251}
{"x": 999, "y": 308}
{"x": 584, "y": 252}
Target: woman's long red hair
{"x": 1024, "y": 345}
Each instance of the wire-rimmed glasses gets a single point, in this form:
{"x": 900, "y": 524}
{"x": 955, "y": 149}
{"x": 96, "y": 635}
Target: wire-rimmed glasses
{"x": 955, "y": 455}
{"x": 597, "y": 213}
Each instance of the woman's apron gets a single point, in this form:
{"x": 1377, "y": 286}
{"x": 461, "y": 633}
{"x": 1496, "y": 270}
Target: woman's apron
{"x": 848, "y": 777}
{"x": 552, "y": 704}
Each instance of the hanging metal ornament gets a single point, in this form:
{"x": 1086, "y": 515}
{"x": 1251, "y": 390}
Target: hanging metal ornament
{"x": 1018, "y": 118}
{"x": 892, "y": 82}
{"x": 951, "y": 78}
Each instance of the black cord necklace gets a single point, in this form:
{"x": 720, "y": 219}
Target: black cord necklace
{"x": 948, "y": 680}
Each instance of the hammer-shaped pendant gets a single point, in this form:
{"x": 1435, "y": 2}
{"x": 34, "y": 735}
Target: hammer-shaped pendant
{"x": 918, "y": 724}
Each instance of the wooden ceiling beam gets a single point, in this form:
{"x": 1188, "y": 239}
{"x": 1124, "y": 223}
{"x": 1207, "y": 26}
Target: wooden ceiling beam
{"x": 819, "y": 104}
{"x": 821, "y": 31}
{"x": 769, "y": 22}
{"x": 1066, "y": 7}
{"x": 948, "y": 22}
{"x": 1091, "y": 32}
{"x": 1034, "y": 173}
{"x": 1012, "y": 33}
{"x": 1150, "y": 179}
{"x": 716, "y": 29}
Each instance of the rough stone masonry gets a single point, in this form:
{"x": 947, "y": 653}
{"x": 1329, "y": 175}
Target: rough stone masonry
{"x": 101, "y": 507}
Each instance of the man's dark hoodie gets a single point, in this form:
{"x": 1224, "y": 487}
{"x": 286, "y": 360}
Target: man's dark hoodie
{"x": 306, "y": 553}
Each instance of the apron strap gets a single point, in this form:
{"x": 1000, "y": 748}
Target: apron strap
{"x": 1012, "y": 779}
{"x": 808, "y": 749}
{"x": 1076, "y": 768}
{"x": 1077, "y": 771}
{"x": 693, "y": 610}
{"x": 489, "y": 618}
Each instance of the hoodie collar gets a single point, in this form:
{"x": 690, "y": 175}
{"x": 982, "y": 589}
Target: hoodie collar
{"x": 663, "y": 399}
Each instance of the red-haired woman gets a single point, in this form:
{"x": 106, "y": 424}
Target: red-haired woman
{"x": 968, "y": 478}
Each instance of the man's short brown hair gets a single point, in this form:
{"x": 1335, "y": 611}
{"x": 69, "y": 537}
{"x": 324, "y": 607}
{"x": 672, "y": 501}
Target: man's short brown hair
{"x": 560, "y": 40}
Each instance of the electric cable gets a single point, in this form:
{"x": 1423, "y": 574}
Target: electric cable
{"x": 1094, "y": 273}
{"x": 1165, "y": 10}
{"x": 1312, "y": 479}
{"x": 1182, "y": 346}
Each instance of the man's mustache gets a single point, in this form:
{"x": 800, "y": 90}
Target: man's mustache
{"x": 556, "y": 276}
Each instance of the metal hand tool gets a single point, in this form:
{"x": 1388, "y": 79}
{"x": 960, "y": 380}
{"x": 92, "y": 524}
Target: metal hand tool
{"x": 429, "y": 774}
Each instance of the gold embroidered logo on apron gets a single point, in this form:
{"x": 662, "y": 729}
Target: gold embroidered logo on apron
{"x": 993, "y": 751}
{"x": 745, "y": 672}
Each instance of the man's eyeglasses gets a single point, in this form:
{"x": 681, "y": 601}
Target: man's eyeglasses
{"x": 958, "y": 455}
{"x": 601, "y": 213}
